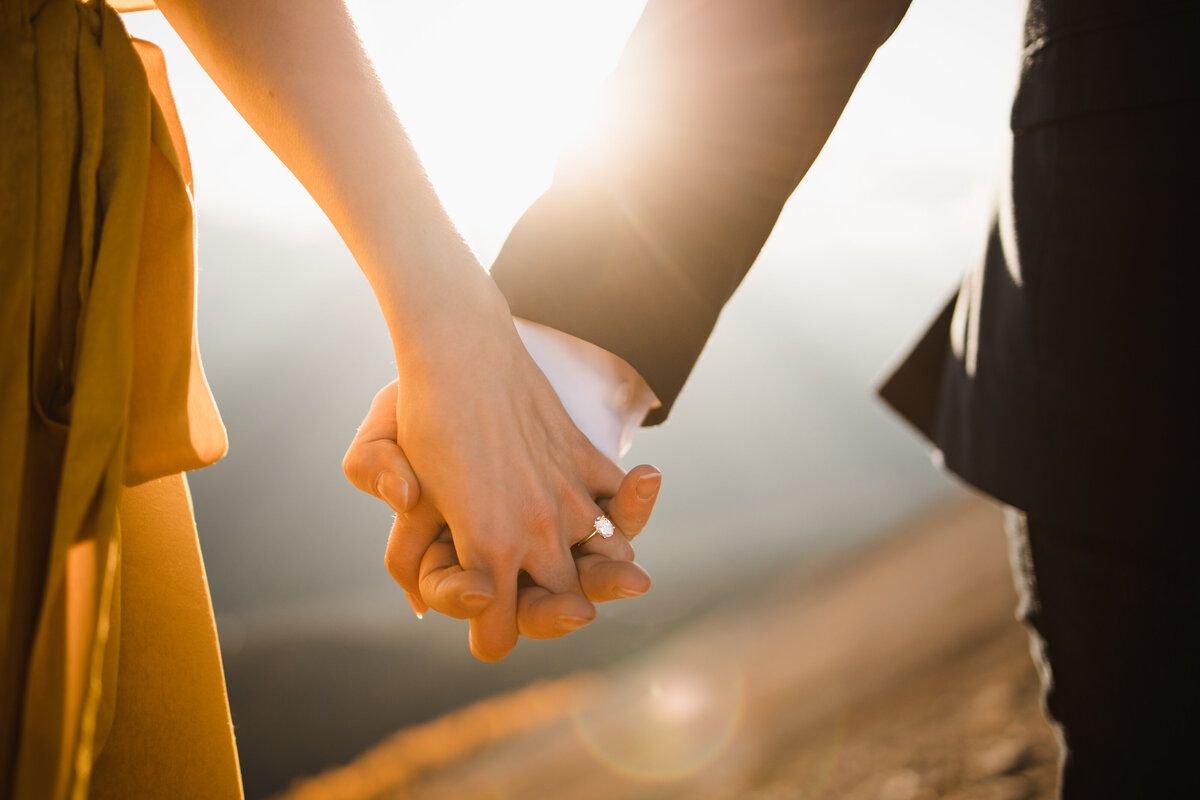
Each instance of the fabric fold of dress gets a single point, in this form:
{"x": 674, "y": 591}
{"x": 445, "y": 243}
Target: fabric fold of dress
{"x": 100, "y": 379}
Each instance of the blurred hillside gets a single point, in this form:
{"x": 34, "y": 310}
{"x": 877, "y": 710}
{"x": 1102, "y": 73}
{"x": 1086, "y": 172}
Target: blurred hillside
{"x": 899, "y": 674}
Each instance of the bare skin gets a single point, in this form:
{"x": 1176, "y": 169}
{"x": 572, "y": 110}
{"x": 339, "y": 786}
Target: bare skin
{"x": 421, "y": 555}
{"x": 498, "y": 457}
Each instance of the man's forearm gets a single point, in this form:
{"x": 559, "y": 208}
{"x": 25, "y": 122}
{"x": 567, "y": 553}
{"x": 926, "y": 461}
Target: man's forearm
{"x": 718, "y": 108}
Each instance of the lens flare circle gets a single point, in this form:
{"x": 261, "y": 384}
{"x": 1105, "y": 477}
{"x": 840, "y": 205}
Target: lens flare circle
{"x": 661, "y": 726}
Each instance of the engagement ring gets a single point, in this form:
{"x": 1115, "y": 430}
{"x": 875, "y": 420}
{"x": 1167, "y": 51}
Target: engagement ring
{"x": 603, "y": 526}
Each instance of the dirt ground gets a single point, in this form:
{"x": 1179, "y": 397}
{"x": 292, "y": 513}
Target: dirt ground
{"x": 899, "y": 674}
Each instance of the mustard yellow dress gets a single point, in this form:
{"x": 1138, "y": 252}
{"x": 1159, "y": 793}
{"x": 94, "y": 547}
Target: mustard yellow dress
{"x": 110, "y": 674}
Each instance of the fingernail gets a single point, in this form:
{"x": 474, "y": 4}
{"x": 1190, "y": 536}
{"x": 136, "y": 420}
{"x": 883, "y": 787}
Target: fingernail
{"x": 623, "y": 592}
{"x": 477, "y": 598}
{"x": 394, "y": 491}
{"x": 648, "y": 485}
{"x": 567, "y": 623}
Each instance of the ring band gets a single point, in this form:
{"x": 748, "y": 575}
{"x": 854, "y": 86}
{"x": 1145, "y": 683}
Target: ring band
{"x": 602, "y": 526}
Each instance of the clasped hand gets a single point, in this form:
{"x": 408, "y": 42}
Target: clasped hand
{"x": 507, "y": 486}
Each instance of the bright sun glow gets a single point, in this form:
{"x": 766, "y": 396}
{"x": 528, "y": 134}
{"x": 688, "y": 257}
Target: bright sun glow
{"x": 490, "y": 92}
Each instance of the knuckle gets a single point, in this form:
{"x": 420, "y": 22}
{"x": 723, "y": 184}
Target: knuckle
{"x": 541, "y": 527}
{"x": 540, "y": 515}
{"x": 385, "y": 393}
{"x": 499, "y": 553}
{"x": 365, "y": 464}
{"x": 360, "y": 464}
{"x": 350, "y": 462}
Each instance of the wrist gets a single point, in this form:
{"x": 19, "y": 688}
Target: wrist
{"x": 455, "y": 314}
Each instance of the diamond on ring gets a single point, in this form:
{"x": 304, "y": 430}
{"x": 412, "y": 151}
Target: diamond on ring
{"x": 603, "y": 526}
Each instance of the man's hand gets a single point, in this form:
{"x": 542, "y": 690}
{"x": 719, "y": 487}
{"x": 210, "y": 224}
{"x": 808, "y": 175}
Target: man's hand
{"x": 421, "y": 555}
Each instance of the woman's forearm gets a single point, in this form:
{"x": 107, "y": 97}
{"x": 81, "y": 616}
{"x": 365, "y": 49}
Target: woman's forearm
{"x": 499, "y": 461}
{"x": 297, "y": 72}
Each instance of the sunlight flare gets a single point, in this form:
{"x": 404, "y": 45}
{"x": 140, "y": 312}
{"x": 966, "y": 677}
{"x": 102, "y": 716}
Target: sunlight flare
{"x": 662, "y": 726}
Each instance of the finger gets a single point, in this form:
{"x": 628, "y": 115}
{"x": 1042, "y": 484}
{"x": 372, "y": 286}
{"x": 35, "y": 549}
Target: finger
{"x": 418, "y": 605}
{"x": 380, "y": 469}
{"x": 599, "y": 472}
{"x": 615, "y": 547}
{"x": 603, "y": 579}
{"x": 542, "y": 614}
{"x": 552, "y": 563}
{"x": 549, "y": 559}
{"x": 411, "y": 536}
{"x": 448, "y": 588}
{"x": 630, "y": 507}
{"x": 380, "y": 422}
{"x": 375, "y": 463}
{"x": 493, "y": 631}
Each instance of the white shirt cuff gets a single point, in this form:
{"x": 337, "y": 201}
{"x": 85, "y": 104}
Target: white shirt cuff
{"x": 606, "y": 397}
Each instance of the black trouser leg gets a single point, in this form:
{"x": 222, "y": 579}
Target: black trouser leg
{"x": 1116, "y": 628}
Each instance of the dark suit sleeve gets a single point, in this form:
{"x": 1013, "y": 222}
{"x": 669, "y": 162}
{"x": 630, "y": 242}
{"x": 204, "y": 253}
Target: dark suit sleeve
{"x": 715, "y": 112}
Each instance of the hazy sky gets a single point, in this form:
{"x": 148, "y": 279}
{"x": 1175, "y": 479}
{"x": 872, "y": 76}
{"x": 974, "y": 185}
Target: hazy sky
{"x": 489, "y": 90}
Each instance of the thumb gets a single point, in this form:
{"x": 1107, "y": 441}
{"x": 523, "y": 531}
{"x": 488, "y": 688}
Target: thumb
{"x": 630, "y": 507}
